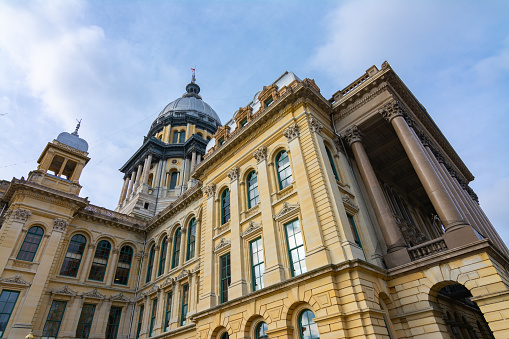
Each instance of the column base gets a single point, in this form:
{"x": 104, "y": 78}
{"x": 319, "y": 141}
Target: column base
{"x": 460, "y": 236}
{"x": 397, "y": 258}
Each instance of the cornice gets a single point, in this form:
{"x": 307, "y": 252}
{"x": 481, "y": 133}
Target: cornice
{"x": 111, "y": 218}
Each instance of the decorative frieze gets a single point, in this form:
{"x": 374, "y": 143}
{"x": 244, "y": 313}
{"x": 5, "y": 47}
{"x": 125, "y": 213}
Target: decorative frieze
{"x": 391, "y": 110}
{"x": 253, "y": 227}
{"x": 287, "y": 209}
{"x": 94, "y": 294}
{"x": 184, "y": 274}
{"x": 64, "y": 290}
{"x": 314, "y": 125}
{"x": 233, "y": 174}
{"x": 210, "y": 190}
{"x": 16, "y": 280}
{"x": 21, "y": 215}
{"x": 292, "y": 132}
{"x": 60, "y": 225}
{"x": 353, "y": 134}
{"x": 120, "y": 297}
{"x": 222, "y": 244}
{"x": 260, "y": 154}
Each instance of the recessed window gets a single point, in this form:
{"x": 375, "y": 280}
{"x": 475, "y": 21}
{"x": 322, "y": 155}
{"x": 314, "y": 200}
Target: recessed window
{"x": 268, "y": 102}
{"x": 85, "y": 321}
{"x": 153, "y": 318}
{"x": 257, "y": 263}
{"x": 69, "y": 168}
{"x": 73, "y": 256}
{"x": 225, "y": 206}
{"x": 56, "y": 164}
{"x": 113, "y": 322}
{"x": 177, "y": 238}
{"x": 260, "y": 331}
{"x": 146, "y": 205}
{"x": 284, "y": 172}
{"x": 124, "y": 265}
{"x": 331, "y": 161}
{"x": 140, "y": 321}
{"x": 356, "y": 237}
{"x": 167, "y": 316}
{"x": 185, "y": 304}
{"x": 295, "y": 248}
{"x": 252, "y": 189}
{"x": 30, "y": 244}
{"x": 191, "y": 239}
{"x": 173, "y": 179}
{"x": 102, "y": 253}
{"x": 54, "y": 320}
{"x": 162, "y": 256}
{"x": 7, "y": 302}
{"x": 182, "y": 137}
{"x": 221, "y": 141}
{"x": 243, "y": 123}
{"x": 307, "y": 327}
{"x": 226, "y": 276}
{"x": 150, "y": 265}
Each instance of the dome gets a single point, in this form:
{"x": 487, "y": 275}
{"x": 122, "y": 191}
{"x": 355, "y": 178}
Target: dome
{"x": 72, "y": 140}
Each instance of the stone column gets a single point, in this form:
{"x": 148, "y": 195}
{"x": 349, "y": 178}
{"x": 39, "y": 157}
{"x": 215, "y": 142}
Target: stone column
{"x": 193, "y": 161}
{"x": 138, "y": 176}
{"x": 317, "y": 254}
{"x": 167, "y": 265}
{"x": 112, "y": 265}
{"x": 157, "y": 258}
{"x": 145, "y": 322}
{"x": 83, "y": 275}
{"x": 274, "y": 269}
{"x": 131, "y": 184}
{"x": 10, "y": 232}
{"x": 238, "y": 286}
{"x": 191, "y": 307}
{"x": 208, "y": 299}
{"x": 183, "y": 243}
{"x": 397, "y": 253}
{"x": 124, "y": 190}
{"x": 35, "y": 292}
{"x": 146, "y": 169}
{"x": 437, "y": 193}
{"x": 198, "y": 159}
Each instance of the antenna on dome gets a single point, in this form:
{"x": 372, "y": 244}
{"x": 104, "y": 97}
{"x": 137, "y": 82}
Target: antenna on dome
{"x": 193, "y": 78}
{"x": 77, "y": 128}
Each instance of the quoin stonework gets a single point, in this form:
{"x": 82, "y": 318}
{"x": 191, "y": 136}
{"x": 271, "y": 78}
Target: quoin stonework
{"x": 301, "y": 217}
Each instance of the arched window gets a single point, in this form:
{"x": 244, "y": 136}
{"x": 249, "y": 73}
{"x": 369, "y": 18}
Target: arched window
{"x": 331, "y": 160}
{"x": 284, "y": 172}
{"x": 175, "y": 139}
{"x": 102, "y": 253}
{"x": 150, "y": 265}
{"x": 260, "y": 331}
{"x": 182, "y": 137}
{"x": 124, "y": 265}
{"x": 191, "y": 239}
{"x": 225, "y": 206}
{"x": 73, "y": 256}
{"x": 30, "y": 244}
{"x": 176, "y": 248}
{"x": 225, "y": 336}
{"x": 162, "y": 257}
{"x": 307, "y": 327}
{"x": 252, "y": 189}
{"x": 173, "y": 179}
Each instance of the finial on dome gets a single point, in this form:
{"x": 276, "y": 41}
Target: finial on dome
{"x": 193, "y": 78}
{"x": 77, "y": 128}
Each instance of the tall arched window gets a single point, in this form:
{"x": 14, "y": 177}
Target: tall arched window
{"x": 162, "y": 257}
{"x": 176, "y": 248}
{"x": 73, "y": 256}
{"x": 191, "y": 239}
{"x": 260, "y": 331}
{"x": 30, "y": 244}
{"x": 102, "y": 253}
{"x": 307, "y": 327}
{"x": 175, "y": 139}
{"x": 173, "y": 179}
{"x": 150, "y": 265}
{"x": 182, "y": 137}
{"x": 252, "y": 189}
{"x": 225, "y": 206}
{"x": 331, "y": 160}
{"x": 124, "y": 265}
{"x": 284, "y": 172}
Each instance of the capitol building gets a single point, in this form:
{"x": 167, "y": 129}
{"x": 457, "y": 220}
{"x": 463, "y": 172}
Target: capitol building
{"x": 301, "y": 217}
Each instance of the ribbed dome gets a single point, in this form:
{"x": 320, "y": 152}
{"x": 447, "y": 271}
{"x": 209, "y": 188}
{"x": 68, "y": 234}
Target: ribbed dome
{"x": 190, "y": 104}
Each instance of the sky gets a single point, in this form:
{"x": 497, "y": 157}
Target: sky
{"x": 117, "y": 64}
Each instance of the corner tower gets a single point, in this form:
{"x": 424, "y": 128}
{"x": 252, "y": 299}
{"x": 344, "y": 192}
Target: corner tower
{"x": 159, "y": 171}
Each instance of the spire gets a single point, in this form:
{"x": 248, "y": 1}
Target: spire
{"x": 193, "y": 78}
{"x": 77, "y": 128}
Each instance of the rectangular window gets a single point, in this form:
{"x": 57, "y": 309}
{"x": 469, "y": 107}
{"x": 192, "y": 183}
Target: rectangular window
{"x": 221, "y": 141}
{"x": 55, "y": 315}
{"x": 185, "y": 303}
{"x": 268, "y": 102}
{"x": 167, "y": 316}
{"x": 257, "y": 264}
{"x": 243, "y": 123}
{"x": 113, "y": 322}
{"x": 140, "y": 321}
{"x": 295, "y": 248}
{"x": 85, "y": 321}
{"x": 153, "y": 317}
{"x": 354, "y": 230}
{"x": 226, "y": 276}
{"x": 7, "y": 302}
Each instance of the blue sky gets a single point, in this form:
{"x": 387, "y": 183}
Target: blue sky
{"x": 116, "y": 64}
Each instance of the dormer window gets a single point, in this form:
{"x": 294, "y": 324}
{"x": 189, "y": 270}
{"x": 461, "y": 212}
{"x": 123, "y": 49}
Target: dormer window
{"x": 268, "y": 102}
{"x": 221, "y": 141}
{"x": 243, "y": 123}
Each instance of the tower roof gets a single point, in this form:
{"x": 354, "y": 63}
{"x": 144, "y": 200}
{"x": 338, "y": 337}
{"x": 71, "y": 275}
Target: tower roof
{"x": 73, "y": 139}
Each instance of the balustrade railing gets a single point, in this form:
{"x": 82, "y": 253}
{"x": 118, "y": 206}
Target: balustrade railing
{"x": 427, "y": 248}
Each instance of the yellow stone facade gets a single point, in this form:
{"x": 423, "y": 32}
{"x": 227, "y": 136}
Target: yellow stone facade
{"x": 340, "y": 219}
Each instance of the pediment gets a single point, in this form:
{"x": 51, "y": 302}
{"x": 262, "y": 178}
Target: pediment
{"x": 287, "y": 209}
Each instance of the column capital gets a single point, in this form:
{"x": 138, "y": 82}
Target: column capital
{"x": 60, "y": 225}
{"x": 210, "y": 190}
{"x": 260, "y": 154}
{"x": 353, "y": 134}
{"x": 21, "y": 215}
{"x": 391, "y": 110}
{"x": 233, "y": 174}
{"x": 338, "y": 144}
{"x": 314, "y": 125}
{"x": 292, "y": 132}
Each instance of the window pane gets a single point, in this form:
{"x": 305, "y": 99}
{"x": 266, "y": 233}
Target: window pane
{"x": 307, "y": 327}
{"x": 124, "y": 265}
{"x": 191, "y": 239}
{"x": 30, "y": 244}
{"x": 113, "y": 322}
{"x": 162, "y": 257}
{"x": 100, "y": 261}
{"x": 176, "y": 248}
{"x": 283, "y": 169}
{"x": 54, "y": 319}
{"x": 150, "y": 263}
{"x": 225, "y": 276}
{"x": 7, "y": 302}
{"x": 185, "y": 301}
{"x": 257, "y": 264}
{"x": 295, "y": 248}
{"x": 73, "y": 256}
{"x": 85, "y": 321}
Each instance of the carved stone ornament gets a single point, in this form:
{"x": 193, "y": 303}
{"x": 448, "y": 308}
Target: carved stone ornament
{"x": 16, "y": 280}
{"x": 352, "y": 134}
{"x": 140, "y": 296}
{"x": 153, "y": 289}
{"x": 64, "y": 290}
{"x": 222, "y": 244}
{"x": 60, "y": 225}
{"x": 287, "y": 208}
{"x": 260, "y": 154}
{"x": 210, "y": 190}
{"x": 195, "y": 269}
{"x": 314, "y": 124}
{"x": 292, "y": 132}
{"x": 253, "y": 226}
{"x": 233, "y": 174}
{"x": 339, "y": 144}
{"x": 94, "y": 294}
{"x": 348, "y": 201}
{"x": 391, "y": 110}
{"x": 168, "y": 281}
{"x": 120, "y": 297}
{"x": 182, "y": 275}
{"x": 21, "y": 215}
